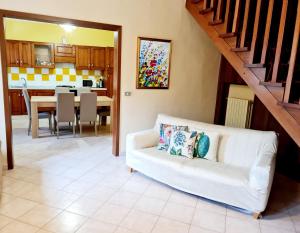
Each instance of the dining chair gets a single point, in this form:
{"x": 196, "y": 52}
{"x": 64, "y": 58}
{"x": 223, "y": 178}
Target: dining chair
{"x": 41, "y": 115}
{"x": 88, "y": 110}
{"x": 61, "y": 90}
{"x": 65, "y": 111}
{"x": 103, "y": 111}
{"x": 83, "y": 90}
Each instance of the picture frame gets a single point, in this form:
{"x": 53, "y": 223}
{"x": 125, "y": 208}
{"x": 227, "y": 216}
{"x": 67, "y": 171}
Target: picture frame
{"x": 153, "y": 63}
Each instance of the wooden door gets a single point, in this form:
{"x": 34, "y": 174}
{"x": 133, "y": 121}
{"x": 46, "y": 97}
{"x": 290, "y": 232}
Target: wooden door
{"x": 83, "y": 57}
{"x": 65, "y": 53}
{"x": 98, "y": 58}
{"x": 25, "y": 54}
{"x": 109, "y": 57}
{"x": 109, "y": 82}
{"x": 15, "y": 102}
{"x": 12, "y": 53}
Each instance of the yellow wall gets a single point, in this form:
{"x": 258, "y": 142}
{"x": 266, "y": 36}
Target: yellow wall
{"x": 47, "y": 32}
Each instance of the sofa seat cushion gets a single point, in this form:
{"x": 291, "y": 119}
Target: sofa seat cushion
{"x": 206, "y": 169}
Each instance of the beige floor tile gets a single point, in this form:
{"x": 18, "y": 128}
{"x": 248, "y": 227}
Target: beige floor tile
{"x": 279, "y": 220}
{"x": 124, "y": 230}
{"x": 6, "y": 198}
{"x": 124, "y": 198}
{"x": 39, "y": 215}
{"x": 17, "y": 208}
{"x": 78, "y": 188}
{"x": 85, "y": 206}
{"x": 204, "y": 204}
{"x": 65, "y": 222}
{"x": 158, "y": 190}
{"x": 195, "y": 229}
{"x": 94, "y": 226}
{"x": 236, "y": 225}
{"x": 18, "y": 227}
{"x": 100, "y": 192}
{"x": 150, "y": 205}
{"x": 4, "y": 221}
{"x": 178, "y": 212}
{"x": 139, "y": 221}
{"x": 170, "y": 226}
{"x": 135, "y": 186}
{"x": 43, "y": 231}
{"x": 183, "y": 198}
{"x": 111, "y": 213}
{"x": 270, "y": 229}
{"x": 209, "y": 220}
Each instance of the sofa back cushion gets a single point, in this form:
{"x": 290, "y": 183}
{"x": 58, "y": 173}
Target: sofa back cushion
{"x": 237, "y": 147}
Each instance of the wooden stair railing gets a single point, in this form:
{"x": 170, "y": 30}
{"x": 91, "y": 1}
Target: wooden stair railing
{"x": 256, "y": 37}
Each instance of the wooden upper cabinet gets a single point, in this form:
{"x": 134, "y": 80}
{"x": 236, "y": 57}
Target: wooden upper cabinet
{"x": 65, "y": 53}
{"x": 97, "y": 58}
{"x": 25, "y": 54}
{"x": 43, "y": 55}
{"x": 18, "y": 53}
{"x": 12, "y": 53}
{"x": 83, "y": 57}
{"x": 110, "y": 57}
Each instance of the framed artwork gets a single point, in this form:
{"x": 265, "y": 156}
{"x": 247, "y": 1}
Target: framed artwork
{"x": 153, "y": 63}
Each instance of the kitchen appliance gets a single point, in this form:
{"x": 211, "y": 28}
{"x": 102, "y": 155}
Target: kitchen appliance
{"x": 87, "y": 83}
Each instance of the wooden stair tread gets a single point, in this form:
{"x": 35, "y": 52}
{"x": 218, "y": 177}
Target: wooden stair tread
{"x": 269, "y": 96}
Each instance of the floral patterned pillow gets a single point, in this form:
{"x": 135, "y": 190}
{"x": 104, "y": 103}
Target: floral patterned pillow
{"x": 165, "y": 135}
{"x": 206, "y": 145}
{"x": 182, "y": 143}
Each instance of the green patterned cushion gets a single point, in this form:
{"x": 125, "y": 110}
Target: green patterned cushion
{"x": 165, "y": 133}
{"x": 182, "y": 143}
{"x": 206, "y": 145}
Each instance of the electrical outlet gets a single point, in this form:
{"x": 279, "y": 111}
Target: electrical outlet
{"x": 127, "y": 93}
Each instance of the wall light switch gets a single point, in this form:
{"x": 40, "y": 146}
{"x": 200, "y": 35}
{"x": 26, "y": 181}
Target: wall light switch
{"x": 127, "y": 93}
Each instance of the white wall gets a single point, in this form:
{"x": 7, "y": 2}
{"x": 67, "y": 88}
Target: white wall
{"x": 194, "y": 64}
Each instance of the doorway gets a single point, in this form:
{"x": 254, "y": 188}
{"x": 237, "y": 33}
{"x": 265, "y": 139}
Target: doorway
{"x": 117, "y": 30}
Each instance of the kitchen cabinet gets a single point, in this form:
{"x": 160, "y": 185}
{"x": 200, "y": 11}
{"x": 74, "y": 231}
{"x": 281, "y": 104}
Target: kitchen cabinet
{"x": 43, "y": 55}
{"x": 98, "y": 58}
{"x": 100, "y": 92}
{"x": 17, "y": 102}
{"x": 83, "y": 57}
{"x": 109, "y": 60}
{"x": 90, "y": 58}
{"x": 64, "y": 53}
{"x": 18, "y": 53}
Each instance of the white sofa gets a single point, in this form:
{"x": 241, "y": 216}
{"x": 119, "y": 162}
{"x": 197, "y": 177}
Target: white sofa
{"x": 242, "y": 177}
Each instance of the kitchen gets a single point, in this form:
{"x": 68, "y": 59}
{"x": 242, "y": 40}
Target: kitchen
{"x": 42, "y": 57}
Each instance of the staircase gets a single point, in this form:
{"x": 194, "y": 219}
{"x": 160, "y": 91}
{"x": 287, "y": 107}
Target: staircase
{"x": 260, "y": 39}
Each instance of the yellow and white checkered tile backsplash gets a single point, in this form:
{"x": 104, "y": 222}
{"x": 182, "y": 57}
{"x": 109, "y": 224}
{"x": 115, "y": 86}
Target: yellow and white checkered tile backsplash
{"x": 46, "y": 76}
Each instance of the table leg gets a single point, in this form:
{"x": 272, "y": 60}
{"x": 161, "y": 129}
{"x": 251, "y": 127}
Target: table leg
{"x": 35, "y": 120}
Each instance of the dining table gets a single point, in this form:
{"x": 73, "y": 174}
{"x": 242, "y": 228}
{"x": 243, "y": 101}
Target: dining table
{"x": 51, "y": 101}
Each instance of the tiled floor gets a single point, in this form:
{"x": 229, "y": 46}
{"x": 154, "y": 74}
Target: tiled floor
{"x": 76, "y": 185}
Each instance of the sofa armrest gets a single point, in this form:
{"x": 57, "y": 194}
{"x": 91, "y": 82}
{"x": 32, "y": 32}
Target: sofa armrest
{"x": 262, "y": 172}
{"x": 142, "y": 139}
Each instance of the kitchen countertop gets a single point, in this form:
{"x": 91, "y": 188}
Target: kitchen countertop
{"x": 52, "y": 88}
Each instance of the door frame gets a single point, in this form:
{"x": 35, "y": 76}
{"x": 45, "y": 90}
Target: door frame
{"x": 58, "y": 20}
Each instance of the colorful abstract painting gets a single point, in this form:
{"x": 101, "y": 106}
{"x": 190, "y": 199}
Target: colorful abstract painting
{"x": 153, "y": 68}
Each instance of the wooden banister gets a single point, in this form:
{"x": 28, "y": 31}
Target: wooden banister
{"x": 293, "y": 57}
{"x": 255, "y": 31}
{"x": 226, "y": 19}
{"x": 245, "y": 24}
{"x": 267, "y": 32}
{"x": 279, "y": 40}
{"x": 236, "y": 18}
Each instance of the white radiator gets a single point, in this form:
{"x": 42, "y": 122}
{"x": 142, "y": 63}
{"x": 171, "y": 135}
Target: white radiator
{"x": 238, "y": 113}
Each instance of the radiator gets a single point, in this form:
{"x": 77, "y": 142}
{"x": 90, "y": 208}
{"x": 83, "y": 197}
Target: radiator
{"x": 238, "y": 113}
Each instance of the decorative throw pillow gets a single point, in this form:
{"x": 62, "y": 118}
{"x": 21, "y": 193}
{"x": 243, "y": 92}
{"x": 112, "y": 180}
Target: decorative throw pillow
{"x": 165, "y": 133}
{"x": 182, "y": 143}
{"x": 206, "y": 145}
